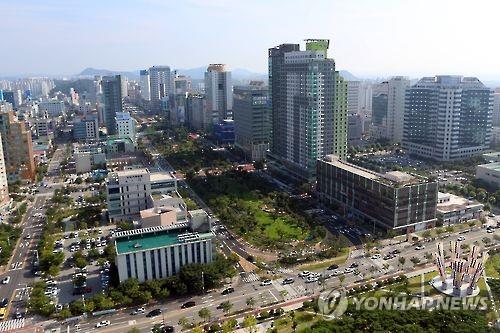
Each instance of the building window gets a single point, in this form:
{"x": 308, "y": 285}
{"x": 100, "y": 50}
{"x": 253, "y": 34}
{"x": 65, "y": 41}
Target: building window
{"x": 160, "y": 270}
{"x": 129, "y": 269}
{"x": 172, "y": 257}
{"x": 135, "y": 266}
{"x": 144, "y": 265}
{"x": 153, "y": 263}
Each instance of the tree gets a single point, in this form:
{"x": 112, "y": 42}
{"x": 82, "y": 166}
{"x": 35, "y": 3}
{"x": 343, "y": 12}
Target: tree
{"x": 426, "y": 234}
{"x": 197, "y": 329}
{"x": 229, "y": 325}
{"x": 136, "y": 330}
{"x": 226, "y": 306}
{"x": 341, "y": 279}
{"x": 250, "y": 323}
{"x": 204, "y": 314}
{"x": 402, "y": 261}
{"x": 184, "y": 323}
{"x": 250, "y": 301}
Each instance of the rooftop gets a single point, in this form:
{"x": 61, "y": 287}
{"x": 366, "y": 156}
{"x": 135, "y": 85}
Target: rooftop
{"x": 156, "y": 237}
{"x": 161, "y": 176}
{"x": 454, "y": 203}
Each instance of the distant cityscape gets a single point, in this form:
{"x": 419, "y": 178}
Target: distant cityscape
{"x": 243, "y": 197}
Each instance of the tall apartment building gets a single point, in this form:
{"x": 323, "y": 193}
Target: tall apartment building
{"x": 144, "y": 84}
{"x": 353, "y": 97}
{"x": 17, "y": 145}
{"x": 4, "y": 187}
{"x": 388, "y": 104}
{"x": 113, "y": 101}
{"x": 197, "y": 115}
{"x": 160, "y": 85}
{"x": 340, "y": 119}
{"x": 496, "y": 108}
{"x": 448, "y": 118}
{"x": 219, "y": 92}
{"x": 128, "y": 191}
{"x": 252, "y": 120}
{"x": 393, "y": 200}
{"x": 302, "y": 91}
{"x": 125, "y": 125}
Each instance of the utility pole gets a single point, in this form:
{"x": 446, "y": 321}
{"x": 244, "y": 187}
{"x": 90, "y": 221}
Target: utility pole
{"x": 203, "y": 282}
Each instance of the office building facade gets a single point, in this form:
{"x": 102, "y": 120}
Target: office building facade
{"x": 160, "y": 252}
{"x": 86, "y": 128}
{"x": 125, "y": 125}
{"x": 252, "y": 121}
{"x": 113, "y": 101}
{"x": 219, "y": 92}
{"x": 197, "y": 115}
{"x": 160, "y": 85}
{"x": 448, "y": 118}
{"x": 303, "y": 105}
{"x": 144, "y": 84}
{"x": 394, "y": 200}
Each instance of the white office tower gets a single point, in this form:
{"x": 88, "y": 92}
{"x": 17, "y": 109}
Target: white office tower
{"x": 388, "y": 104}
{"x": 160, "y": 84}
{"x": 219, "y": 92}
{"x": 353, "y": 97}
{"x": 144, "y": 84}
{"x": 125, "y": 125}
{"x": 4, "y": 188}
{"x": 496, "y": 107}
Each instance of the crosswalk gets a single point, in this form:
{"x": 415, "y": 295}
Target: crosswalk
{"x": 11, "y": 324}
{"x": 250, "y": 277}
{"x": 289, "y": 291}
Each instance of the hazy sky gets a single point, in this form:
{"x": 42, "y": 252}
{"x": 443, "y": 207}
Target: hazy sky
{"x": 368, "y": 37}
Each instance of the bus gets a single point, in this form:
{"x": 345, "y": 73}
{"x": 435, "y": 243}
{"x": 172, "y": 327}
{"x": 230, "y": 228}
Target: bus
{"x": 3, "y": 313}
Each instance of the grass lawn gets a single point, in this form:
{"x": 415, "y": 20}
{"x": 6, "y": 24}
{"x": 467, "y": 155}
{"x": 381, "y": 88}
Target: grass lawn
{"x": 493, "y": 266}
{"x": 325, "y": 263}
{"x": 303, "y": 320}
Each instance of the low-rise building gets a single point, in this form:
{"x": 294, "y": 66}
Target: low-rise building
{"x": 86, "y": 128}
{"x": 453, "y": 209}
{"x": 117, "y": 145}
{"x": 393, "y": 200}
{"x": 88, "y": 157}
{"x": 160, "y": 252}
{"x": 129, "y": 191}
{"x": 489, "y": 173}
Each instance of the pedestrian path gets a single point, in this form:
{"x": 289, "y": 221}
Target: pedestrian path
{"x": 11, "y": 324}
{"x": 250, "y": 277}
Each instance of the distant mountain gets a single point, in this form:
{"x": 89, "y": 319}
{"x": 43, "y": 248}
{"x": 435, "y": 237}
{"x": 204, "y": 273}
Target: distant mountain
{"x": 348, "y": 76}
{"x": 94, "y": 71}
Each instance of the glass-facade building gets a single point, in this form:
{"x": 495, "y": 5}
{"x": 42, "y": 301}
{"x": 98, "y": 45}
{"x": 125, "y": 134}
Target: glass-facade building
{"x": 394, "y": 200}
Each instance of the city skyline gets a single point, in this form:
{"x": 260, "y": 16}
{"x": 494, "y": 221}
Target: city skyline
{"x": 369, "y": 39}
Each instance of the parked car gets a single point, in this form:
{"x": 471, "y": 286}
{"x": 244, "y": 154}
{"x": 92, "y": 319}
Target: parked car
{"x": 266, "y": 283}
{"x": 103, "y": 323}
{"x": 288, "y": 281}
{"x": 332, "y": 267}
{"x": 154, "y": 313}
{"x": 228, "y": 291}
{"x": 188, "y": 304}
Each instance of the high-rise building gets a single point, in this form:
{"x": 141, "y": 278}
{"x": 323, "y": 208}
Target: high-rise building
{"x": 17, "y": 145}
{"x": 86, "y": 128}
{"x": 219, "y": 92}
{"x": 355, "y": 129}
{"x": 113, "y": 101}
{"x": 252, "y": 121}
{"x": 160, "y": 85}
{"x": 388, "y": 103}
{"x": 353, "y": 97}
{"x": 447, "y": 118}
{"x": 197, "y": 115}
{"x": 302, "y": 91}
{"x": 496, "y": 108}
{"x": 125, "y": 125}
{"x": 4, "y": 188}
{"x": 182, "y": 84}
{"x": 340, "y": 117}
{"x": 144, "y": 84}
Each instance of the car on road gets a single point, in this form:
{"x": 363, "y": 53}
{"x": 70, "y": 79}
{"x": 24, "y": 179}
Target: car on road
{"x": 490, "y": 231}
{"x": 103, "y": 323}
{"x": 354, "y": 265}
{"x": 188, "y": 304}
{"x": 304, "y": 274}
{"x": 6, "y": 280}
{"x": 312, "y": 279}
{"x": 4, "y": 302}
{"x": 138, "y": 311}
{"x": 461, "y": 238}
{"x": 332, "y": 267}
{"x": 420, "y": 247}
{"x": 376, "y": 256}
{"x": 266, "y": 283}
{"x": 154, "y": 313}
{"x": 288, "y": 281}
{"x": 228, "y": 291}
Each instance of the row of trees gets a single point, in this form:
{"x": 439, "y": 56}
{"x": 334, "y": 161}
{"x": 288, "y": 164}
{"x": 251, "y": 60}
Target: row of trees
{"x": 132, "y": 293}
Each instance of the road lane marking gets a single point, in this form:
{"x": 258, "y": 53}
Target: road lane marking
{"x": 272, "y": 295}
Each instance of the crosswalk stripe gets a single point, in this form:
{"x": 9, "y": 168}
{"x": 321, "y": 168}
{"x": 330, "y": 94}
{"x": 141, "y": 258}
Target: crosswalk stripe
{"x": 11, "y": 324}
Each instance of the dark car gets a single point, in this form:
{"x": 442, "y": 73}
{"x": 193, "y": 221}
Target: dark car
{"x": 354, "y": 265}
{"x": 168, "y": 329}
{"x": 188, "y": 304}
{"x": 332, "y": 267}
{"x": 154, "y": 313}
{"x": 4, "y": 302}
{"x": 228, "y": 291}
{"x": 288, "y": 281}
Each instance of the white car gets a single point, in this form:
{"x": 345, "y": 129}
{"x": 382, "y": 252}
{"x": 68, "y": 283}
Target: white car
{"x": 266, "y": 283}
{"x": 312, "y": 279}
{"x": 103, "y": 323}
{"x": 420, "y": 247}
{"x": 304, "y": 274}
{"x": 461, "y": 238}
{"x": 376, "y": 256}
{"x": 6, "y": 280}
